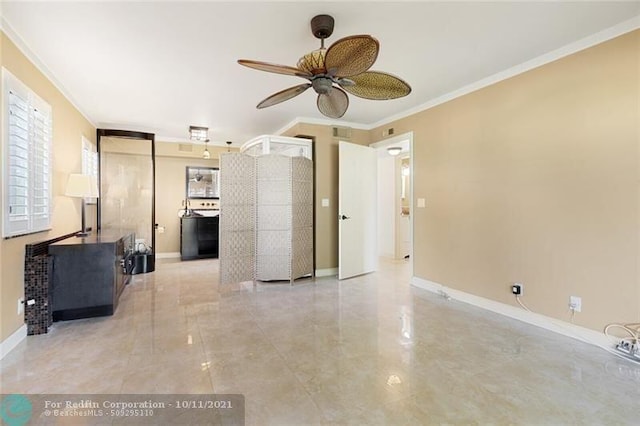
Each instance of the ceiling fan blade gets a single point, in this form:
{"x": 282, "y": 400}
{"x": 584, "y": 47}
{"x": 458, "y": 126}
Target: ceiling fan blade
{"x": 334, "y": 103}
{"x": 278, "y": 69}
{"x": 378, "y": 86}
{"x": 351, "y": 56}
{"x": 283, "y": 95}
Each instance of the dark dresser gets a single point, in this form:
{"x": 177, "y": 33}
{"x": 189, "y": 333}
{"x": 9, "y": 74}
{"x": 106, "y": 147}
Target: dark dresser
{"x": 198, "y": 237}
{"x": 89, "y": 274}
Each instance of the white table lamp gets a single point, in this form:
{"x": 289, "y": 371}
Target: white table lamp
{"x": 83, "y": 186}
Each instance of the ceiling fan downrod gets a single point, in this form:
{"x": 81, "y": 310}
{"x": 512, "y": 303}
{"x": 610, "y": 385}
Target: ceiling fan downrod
{"x": 322, "y": 27}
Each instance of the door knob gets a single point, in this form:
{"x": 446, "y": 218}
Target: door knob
{"x": 343, "y": 217}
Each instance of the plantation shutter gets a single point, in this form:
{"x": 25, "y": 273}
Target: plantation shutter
{"x": 18, "y": 159}
{"x": 27, "y": 162}
{"x": 89, "y": 163}
{"x": 41, "y": 167}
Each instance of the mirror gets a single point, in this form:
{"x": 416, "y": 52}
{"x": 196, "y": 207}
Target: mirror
{"x": 203, "y": 182}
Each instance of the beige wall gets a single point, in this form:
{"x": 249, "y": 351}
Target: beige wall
{"x": 171, "y": 165}
{"x": 170, "y": 190}
{"x": 326, "y": 181}
{"x": 536, "y": 179}
{"x": 68, "y": 128}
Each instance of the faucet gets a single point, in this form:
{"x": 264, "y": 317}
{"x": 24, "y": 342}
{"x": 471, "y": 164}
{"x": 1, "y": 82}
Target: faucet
{"x": 186, "y": 203}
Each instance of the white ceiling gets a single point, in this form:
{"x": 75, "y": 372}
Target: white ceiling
{"x": 162, "y": 66}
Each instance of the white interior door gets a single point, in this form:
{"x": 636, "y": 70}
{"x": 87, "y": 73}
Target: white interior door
{"x": 357, "y": 206}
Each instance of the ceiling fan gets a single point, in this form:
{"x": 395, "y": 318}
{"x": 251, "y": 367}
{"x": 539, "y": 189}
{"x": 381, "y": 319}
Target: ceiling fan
{"x": 344, "y": 65}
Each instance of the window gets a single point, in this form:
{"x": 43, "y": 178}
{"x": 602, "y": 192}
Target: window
{"x": 26, "y": 165}
{"x": 89, "y": 163}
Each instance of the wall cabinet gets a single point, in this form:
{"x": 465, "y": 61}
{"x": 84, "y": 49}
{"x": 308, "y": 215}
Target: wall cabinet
{"x": 198, "y": 237}
{"x": 89, "y": 274}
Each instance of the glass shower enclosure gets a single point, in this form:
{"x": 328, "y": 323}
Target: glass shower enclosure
{"x": 127, "y": 190}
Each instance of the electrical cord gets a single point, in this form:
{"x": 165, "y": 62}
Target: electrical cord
{"x": 521, "y": 303}
{"x": 632, "y": 328}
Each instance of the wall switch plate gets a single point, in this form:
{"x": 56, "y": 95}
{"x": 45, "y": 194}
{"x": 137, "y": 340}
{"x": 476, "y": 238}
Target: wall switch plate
{"x": 20, "y": 306}
{"x": 325, "y": 202}
{"x": 575, "y": 303}
{"x": 422, "y": 202}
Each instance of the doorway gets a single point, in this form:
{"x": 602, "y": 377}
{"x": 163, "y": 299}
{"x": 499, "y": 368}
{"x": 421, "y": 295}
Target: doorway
{"x": 395, "y": 197}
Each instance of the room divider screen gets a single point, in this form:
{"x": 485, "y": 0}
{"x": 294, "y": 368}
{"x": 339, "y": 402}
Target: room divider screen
{"x": 266, "y": 217}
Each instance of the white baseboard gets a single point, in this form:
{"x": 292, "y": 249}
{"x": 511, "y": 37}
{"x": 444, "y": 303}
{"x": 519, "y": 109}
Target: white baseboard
{"x": 326, "y": 272}
{"x": 561, "y": 327}
{"x": 168, "y": 255}
{"x": 12, "y": 341}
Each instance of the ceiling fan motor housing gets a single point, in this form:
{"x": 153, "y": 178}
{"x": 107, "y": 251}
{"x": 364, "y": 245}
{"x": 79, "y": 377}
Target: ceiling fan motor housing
{"x": 322, "y": 85}
{"x": 322, "y": 26}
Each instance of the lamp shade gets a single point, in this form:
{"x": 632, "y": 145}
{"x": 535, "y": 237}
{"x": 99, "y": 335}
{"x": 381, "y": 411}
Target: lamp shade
{"x": 80, "y": 185}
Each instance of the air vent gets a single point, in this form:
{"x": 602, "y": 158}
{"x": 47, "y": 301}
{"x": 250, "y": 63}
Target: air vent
{"x": 185, "y": 147}
{"x": 342, "y": 132}
{"x": 388, "y": 132}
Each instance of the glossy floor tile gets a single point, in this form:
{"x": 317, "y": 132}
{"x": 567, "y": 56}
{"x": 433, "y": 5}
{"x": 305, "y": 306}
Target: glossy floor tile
{"x": 369, "y": 350}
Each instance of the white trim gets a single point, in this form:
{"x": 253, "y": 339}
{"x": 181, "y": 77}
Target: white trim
{"x": 569, "y": 49}
{"x": 323, "y": 122}
{"x": 392, "y": 140}
{"x": 36, "y": 169}
{"x": 8, "y": 344}
{"x": 168, "y": 255}
{"x": 554, "y": 55}
{"x": 557, "y": 326}
{"x": 408, "y": 136}
{"x": 168, "y": 139}
{"x": 28, "y": 53}
{"x": 329, "y": 272}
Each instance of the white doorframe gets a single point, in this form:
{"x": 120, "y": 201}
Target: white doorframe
{"x": 384, "y": 143}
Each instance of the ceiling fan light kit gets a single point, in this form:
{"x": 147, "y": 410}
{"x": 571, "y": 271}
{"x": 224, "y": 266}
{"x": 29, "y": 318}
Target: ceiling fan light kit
{"x": 344, "y": 65}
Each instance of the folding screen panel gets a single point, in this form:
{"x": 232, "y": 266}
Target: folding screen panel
{"x": 237, "y": 218}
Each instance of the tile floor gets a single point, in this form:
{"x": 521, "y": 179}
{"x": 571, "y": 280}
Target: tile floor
{"x": 369, "y": 350}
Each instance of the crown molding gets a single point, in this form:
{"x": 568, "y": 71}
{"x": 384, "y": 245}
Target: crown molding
{"x": 24, "y": 48}
{"x": 323, "y": 122}
{"x": 169, "y": 139}
{"x": 569, "y": 49}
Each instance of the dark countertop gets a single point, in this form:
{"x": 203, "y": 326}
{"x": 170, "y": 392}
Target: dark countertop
{"x": 94, "y": 238}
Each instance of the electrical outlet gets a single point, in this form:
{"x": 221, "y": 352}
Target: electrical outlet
{"x": 20, "y": 306}
{"x": 575, "y": 303}
{"x": 517, "y": 289}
